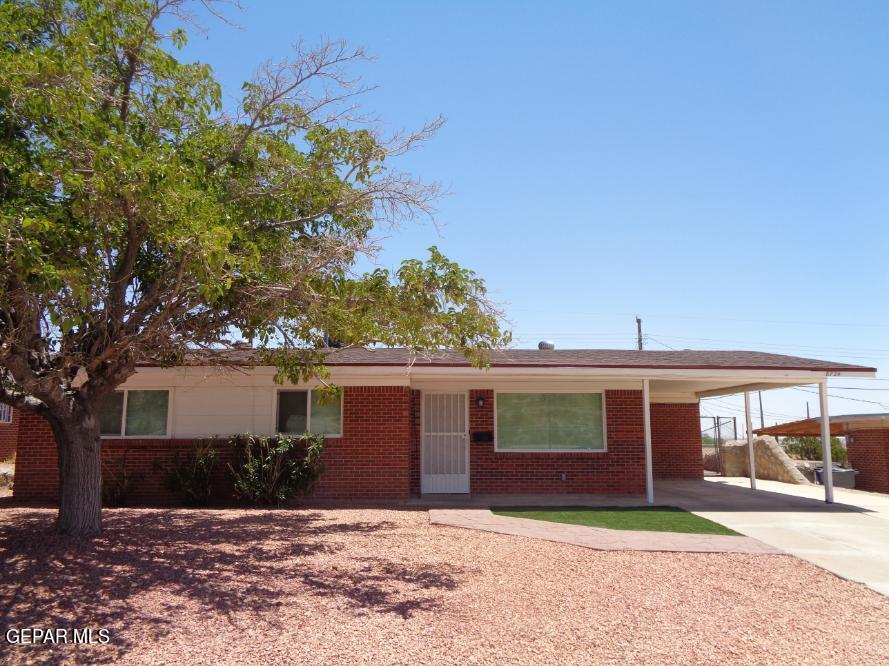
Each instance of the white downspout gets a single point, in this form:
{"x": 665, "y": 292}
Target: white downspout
{"x": 646, "y": 420}
{"x": 827, "y": 474}
{"x": 750, "y": 441}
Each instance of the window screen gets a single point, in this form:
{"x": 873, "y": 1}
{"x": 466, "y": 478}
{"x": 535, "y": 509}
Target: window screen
{"x": 111, "y": 414}
{"x": 326, "y": 418}
{"x": 147, "y": 413}
{"x": 550, "y": 422}
{"x": 292, "y": 412}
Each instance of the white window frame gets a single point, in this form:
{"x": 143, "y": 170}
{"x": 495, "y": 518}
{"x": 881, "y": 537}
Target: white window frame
{"x": 604, "y": 448}
{"x": 308, "y": 392}
{"x": 5, "y": 413}
{"x": 123, "y": 416}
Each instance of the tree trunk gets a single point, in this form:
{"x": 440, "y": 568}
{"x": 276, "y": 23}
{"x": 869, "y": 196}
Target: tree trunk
{"x": 80, "y": 474}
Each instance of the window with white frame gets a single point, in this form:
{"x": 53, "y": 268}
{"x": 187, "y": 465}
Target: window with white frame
{"x": 550, "y": 422}
{"x": 308, "y": 411}
{"x": 5, "y": 413}
{"x": 135, "y": 413}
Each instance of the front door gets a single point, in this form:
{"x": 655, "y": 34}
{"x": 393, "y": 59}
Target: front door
{"x": 445, "y": 452}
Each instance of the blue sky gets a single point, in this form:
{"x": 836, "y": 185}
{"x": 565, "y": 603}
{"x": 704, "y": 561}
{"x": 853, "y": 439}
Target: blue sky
{"x": 721, "y": 169}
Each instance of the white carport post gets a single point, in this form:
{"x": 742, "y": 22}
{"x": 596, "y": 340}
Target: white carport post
{"x": 750, "y": 440}
{"x": 646, "y": 421}
{"x": 827, "y": 474}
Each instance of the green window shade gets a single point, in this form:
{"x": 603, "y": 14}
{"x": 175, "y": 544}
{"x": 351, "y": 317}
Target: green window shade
{"x": 326, "y": 417}
{"x": 522, "y": 421}
{"x": 292, "y": 412}
{"x": 575, "y": 421}
{"x": 111, "y": 414}
{"x": 550, "y": 421}
{"x": 147, "y": 413}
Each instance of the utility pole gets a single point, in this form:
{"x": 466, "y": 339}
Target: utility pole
{"x": 807, "y": 410}
{"x": 638, "y": 333}
{"x": 762, "y": 419}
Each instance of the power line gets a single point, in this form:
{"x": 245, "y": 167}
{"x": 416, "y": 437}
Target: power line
{"x": 843, "y": 397}
{"x": 663, "y": 344}
{"x": 718, "y": 401}
{"x": 683, "y": 337}
{"x": 740, "y": 410}
{"x": 774, "y": 344}
{"x": 847, "y": 323}
{"x": 857, "y": 388}
{"x": 575, "y": 334}
{"x": 869, "y": 354}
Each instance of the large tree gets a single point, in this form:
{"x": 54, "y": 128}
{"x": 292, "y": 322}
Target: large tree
{"x": 142, "y": 221}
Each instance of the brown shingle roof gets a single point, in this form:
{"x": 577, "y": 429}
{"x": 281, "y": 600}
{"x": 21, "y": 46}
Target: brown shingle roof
{"x": 576, "y": 358}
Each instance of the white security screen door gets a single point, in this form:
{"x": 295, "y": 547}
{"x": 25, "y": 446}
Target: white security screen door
{"x": 445, "y": 452}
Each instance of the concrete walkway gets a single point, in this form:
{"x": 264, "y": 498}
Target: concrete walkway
{"x": 849, "y": 538}
{"x": 596, "y": 537}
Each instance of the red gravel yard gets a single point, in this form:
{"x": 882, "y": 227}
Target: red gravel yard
{"x": 385, "y": 586}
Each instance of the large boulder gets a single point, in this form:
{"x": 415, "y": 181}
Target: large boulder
{"x": 772, "y": 463}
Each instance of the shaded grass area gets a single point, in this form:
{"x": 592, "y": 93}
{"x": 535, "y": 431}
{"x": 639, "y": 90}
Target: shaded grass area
{"x": 644, "y": 518}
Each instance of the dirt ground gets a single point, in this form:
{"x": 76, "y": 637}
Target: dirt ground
{"x": 385, "y": 586}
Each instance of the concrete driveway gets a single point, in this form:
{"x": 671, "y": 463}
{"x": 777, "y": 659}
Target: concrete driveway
{"x": 849, "y": 538}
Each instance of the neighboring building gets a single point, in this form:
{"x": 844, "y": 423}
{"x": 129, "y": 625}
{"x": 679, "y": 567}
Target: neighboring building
{"x": 536, "y": 421}
{"x": 867, "y": 443}
{"x": 9, "y": 432}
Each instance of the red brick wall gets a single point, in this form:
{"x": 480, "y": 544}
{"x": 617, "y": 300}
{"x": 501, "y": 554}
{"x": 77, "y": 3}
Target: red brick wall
{"x": 36, "y": 464}
{"x": 620, "y": 469}
{"x": 9, "y": 436}
{"x": 146, "y": 462}
{"x": 676, "y": 441}
{"x": 869, "y": 454}
{"x": 370, "y": 460}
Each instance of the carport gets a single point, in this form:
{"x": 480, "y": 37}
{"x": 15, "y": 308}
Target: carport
{"x": 867, "y": 441}
{"x": 809, "y": 372}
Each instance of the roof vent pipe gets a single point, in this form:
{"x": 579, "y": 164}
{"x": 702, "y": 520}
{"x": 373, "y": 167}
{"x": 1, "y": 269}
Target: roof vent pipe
{"x": 546, "y": 344}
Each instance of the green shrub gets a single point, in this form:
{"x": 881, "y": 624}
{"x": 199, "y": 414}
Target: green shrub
{"x": 118, "y": 482}
{"x": 191, "y": 475}
{"x": 809, "y": 448}
{"x": 272, "y": 470}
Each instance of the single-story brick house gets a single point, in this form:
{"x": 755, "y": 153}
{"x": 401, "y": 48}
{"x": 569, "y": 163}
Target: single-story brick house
{"x": 536, "y": 421}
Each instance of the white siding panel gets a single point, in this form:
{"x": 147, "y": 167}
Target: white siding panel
{"x": 203, "y": 411}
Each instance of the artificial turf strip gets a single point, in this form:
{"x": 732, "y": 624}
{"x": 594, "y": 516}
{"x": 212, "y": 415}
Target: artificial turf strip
{"x": 644, "y": 518}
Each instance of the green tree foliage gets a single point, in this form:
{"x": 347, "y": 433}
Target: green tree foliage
{"x": 140, "y": 221}
{"x": 809, "y": 448}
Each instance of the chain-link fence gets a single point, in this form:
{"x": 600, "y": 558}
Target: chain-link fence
{"x": 716, "y": 431}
